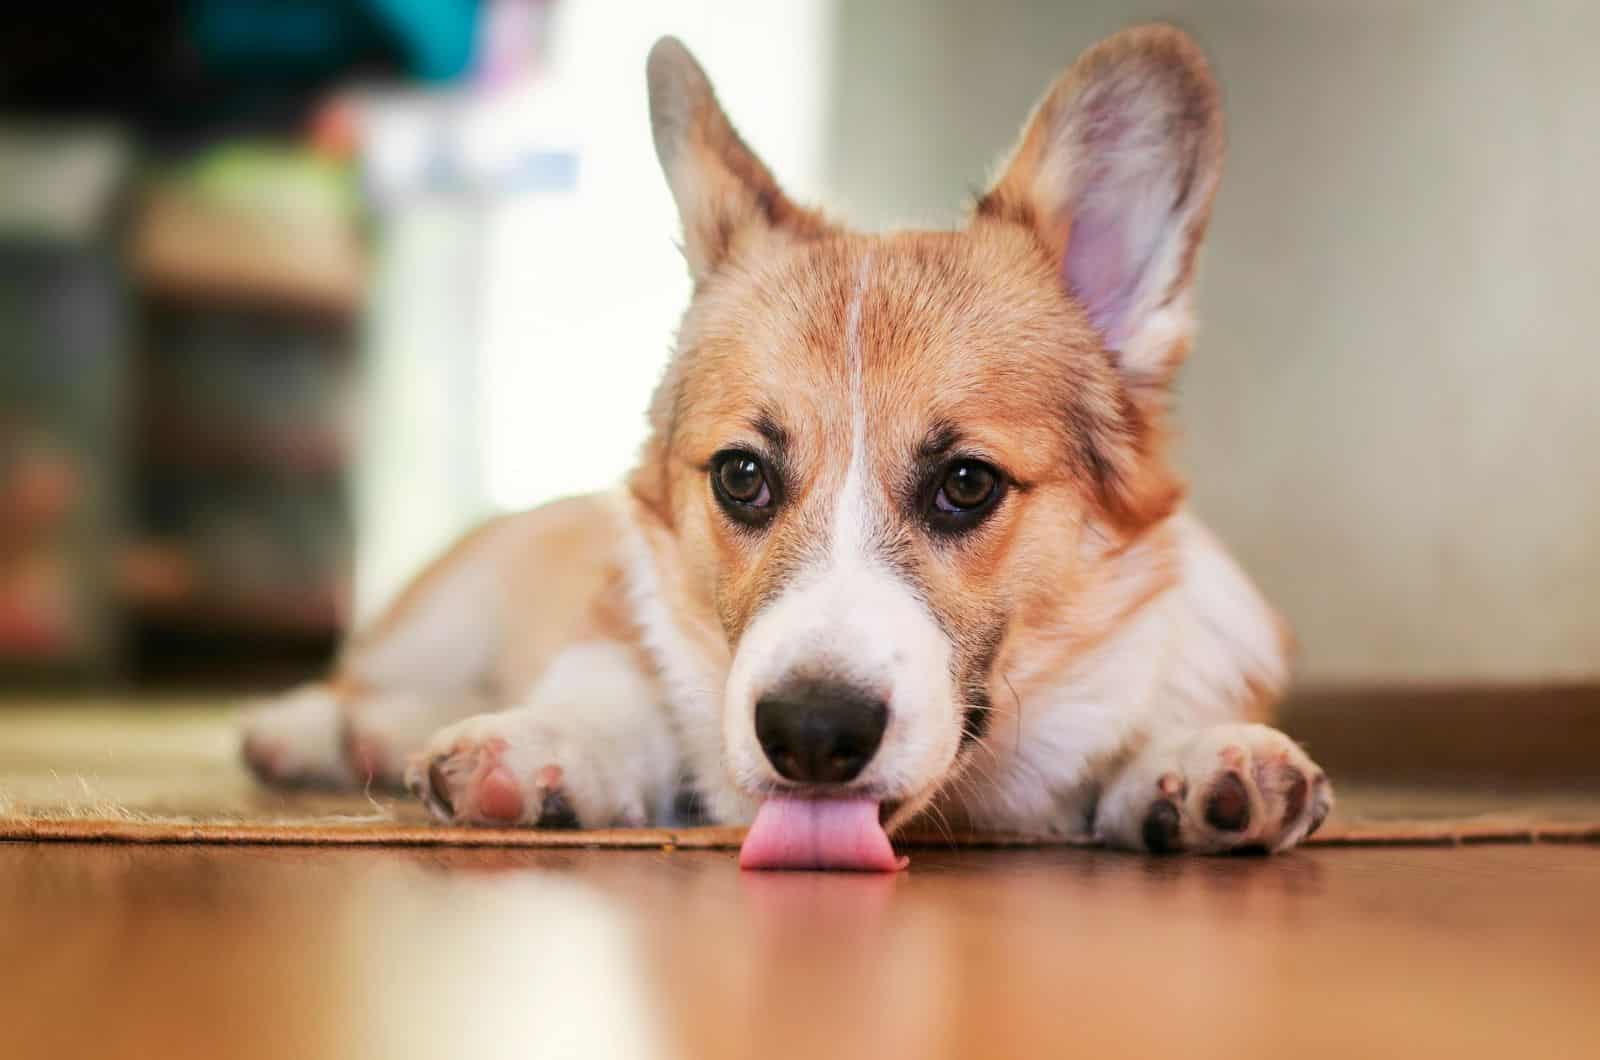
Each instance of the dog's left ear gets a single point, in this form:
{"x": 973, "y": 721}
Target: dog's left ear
{"x": 725, "y": 194}
{"x": 1115, "y": 173}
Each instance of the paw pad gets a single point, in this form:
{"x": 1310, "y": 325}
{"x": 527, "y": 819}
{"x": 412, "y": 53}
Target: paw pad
{"x": 1162, "y": 823}
{"x": 473, "y": 784}
{"x": 555, "y": 809}
{"x": 499, "y": 796}
{"x": 557, "y": 812}
{"x": 1227, "y": 807}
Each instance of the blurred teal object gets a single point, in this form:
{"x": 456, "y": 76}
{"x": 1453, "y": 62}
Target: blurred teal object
{"x": 436, "y": 36}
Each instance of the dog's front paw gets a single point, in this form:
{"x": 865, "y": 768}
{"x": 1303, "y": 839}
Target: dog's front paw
{"x": 505, "y": 770}
{"x": 293, "y": 739}
{"x": 1223, "y": 788}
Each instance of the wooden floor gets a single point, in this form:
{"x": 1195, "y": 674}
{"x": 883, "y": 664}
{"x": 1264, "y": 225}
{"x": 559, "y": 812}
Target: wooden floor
{"x": 213, "y": 951}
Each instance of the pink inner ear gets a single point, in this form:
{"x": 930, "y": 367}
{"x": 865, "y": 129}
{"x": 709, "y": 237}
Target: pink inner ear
{"x": 1099, "y": 269}
{"x": 1122, "y": 205}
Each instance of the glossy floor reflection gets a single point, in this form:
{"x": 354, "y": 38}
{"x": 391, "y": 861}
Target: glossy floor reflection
{"x": 115, "y": 951}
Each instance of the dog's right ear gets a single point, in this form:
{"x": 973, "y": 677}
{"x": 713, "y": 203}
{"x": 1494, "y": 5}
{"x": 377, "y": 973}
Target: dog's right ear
{"x": 725, "y": 195}
{"x": 1115, "y": 174}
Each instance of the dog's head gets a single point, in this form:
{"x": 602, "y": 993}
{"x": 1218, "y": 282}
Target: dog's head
{"x": 894, "y": 469}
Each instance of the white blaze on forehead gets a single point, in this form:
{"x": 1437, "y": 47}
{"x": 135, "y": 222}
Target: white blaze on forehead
{"x": 852, "y": 515}
{"x": 850, "y": 616}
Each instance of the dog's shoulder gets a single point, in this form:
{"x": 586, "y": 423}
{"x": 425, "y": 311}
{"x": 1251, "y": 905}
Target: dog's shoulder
{"x": 1232, "y": 649}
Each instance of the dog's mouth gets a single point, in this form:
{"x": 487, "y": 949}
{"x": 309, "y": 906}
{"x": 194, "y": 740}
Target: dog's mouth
{"x": 796, "y": 832}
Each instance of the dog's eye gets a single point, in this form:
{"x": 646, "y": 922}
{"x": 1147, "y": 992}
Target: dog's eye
{"x": 967, "y": 485}
{"x": 742, "y": 480}
{"x": 968, "y": 492}
{"x": 740, "y": 483}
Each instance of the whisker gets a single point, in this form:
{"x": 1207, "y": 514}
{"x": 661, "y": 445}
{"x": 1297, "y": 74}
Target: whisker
{"x": 1007, "y": 679}
{"x": 983, "y": 768}
{"x": 944, "y": 824}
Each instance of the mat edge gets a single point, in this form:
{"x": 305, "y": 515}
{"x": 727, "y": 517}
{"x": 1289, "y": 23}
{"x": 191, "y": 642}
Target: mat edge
{"x": 41, "y": 830}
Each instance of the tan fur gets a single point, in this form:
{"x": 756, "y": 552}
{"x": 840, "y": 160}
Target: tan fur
{"x": 725, "y": 193}
{"x": 843, "y": 358}
{"x": 412, "y": 597}
{"x": 579, "y": 597}
{"x": 561, "y": 581}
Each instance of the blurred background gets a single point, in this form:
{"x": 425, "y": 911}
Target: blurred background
{"x": 291, "y": 292}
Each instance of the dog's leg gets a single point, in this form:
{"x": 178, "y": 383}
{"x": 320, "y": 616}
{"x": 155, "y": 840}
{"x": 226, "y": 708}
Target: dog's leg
{"x": 293, "y": 739}
{"x": 322, "y": 735}
{"x": 423, "y": 663}
{"x": 1214, "y": 789}
{"x": 590, "y": 746}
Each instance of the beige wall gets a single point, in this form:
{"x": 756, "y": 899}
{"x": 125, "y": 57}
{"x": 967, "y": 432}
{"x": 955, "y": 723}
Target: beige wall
{"x": 1392, "y": 410}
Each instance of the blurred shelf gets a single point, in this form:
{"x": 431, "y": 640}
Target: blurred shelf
{"x": 184, "y": 248}
{"x": 29, "y": 635}
{"x": 190, "y": 446}
{"x": 292, "y": 613}
{"x": 160, "y": 587}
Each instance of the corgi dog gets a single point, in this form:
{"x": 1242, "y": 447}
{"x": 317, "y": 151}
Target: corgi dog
{"x": 903, "y": 542}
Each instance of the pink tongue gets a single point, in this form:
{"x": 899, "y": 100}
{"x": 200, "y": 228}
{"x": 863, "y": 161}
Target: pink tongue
{"x": 791, "y": 833}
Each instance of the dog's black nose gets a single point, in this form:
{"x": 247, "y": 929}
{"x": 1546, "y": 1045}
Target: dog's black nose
{"x": 820, "y": 732}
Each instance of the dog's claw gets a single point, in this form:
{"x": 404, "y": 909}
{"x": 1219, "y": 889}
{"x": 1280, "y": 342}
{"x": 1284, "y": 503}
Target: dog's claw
{"x": 439, "y": 786}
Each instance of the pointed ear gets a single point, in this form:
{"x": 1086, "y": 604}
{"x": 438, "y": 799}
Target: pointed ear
{"x": 1116, "y": 172}
{"x": 725, "y": 195}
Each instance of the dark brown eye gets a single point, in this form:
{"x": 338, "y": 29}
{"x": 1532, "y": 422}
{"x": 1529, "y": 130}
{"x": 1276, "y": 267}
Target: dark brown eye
{"x": 968, "y": 492}
{"x": 740, "y": 483}
{"x": 967, "y": 485}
